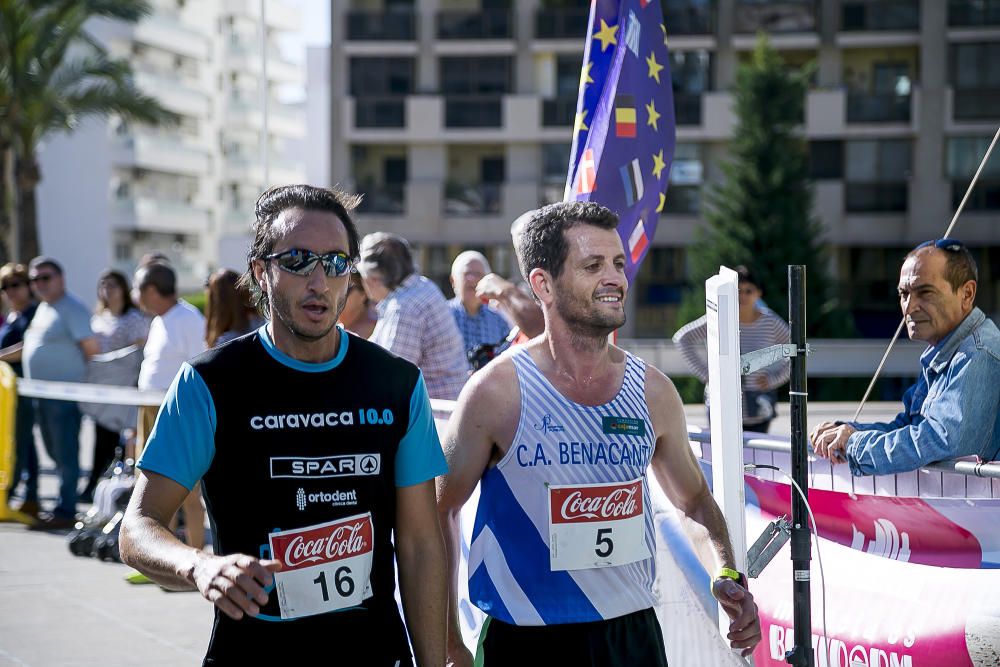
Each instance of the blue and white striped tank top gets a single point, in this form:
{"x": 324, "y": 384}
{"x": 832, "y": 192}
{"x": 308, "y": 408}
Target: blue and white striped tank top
{"x": 549, "y": 544}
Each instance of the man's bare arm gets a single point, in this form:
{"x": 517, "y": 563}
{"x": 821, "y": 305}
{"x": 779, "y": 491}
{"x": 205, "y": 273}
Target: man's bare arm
{"x": 421, "y": 558}
{"x": 526, "y": 313}
{"x": 678, "y": 472}
{"x": 481, "y": 419}
{"x": 12, "y": 353}
{"x": 232, "y": 583}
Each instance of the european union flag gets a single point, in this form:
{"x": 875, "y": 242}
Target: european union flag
{"x": 623, "y": 138}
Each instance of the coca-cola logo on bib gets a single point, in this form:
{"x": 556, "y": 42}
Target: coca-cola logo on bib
{"x": 606, "y": 502}
{"x": 324, "y": 544}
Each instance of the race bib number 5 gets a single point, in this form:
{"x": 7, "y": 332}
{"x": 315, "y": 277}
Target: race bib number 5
{"x": 596, "y": 525}
{"x": 325, "y": 567}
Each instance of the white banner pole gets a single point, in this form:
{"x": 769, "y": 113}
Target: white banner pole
{"x": 726, "y": 410}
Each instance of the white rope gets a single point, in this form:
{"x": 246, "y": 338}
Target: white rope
{"x": 88, "y": 393}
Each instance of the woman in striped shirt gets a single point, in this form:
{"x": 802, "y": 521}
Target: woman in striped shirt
{"x": 759, "y": 328}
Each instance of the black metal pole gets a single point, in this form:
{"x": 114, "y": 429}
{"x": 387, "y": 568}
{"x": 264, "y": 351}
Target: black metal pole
{"x": 801, "y": 654}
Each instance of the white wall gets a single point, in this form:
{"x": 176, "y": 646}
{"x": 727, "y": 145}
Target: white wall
{"x": 314, "y": 149}
{"x": 74, "y": 214}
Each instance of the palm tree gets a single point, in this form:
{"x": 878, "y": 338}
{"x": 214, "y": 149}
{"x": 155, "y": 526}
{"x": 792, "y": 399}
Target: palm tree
{"x": 53, "y": 74}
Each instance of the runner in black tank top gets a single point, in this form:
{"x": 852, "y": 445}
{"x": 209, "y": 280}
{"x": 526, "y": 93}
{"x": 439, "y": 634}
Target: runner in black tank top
{"x": 317, "y": 452}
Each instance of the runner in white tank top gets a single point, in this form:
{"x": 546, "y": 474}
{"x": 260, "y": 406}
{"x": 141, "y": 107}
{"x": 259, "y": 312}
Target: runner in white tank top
{"x": 560, "y": 432}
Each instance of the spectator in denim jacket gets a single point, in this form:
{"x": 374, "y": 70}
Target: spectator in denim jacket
{"x": 954, "y": 408}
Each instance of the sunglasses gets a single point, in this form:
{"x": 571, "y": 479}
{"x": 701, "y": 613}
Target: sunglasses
{"x": 302, "y": 262}
{"x": 13, "y": 285}
{"x": 951, "y": 245}
{"x": 42, "y": 278}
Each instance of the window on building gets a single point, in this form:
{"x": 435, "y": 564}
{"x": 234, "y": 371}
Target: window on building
{"x": 973, "y": 66}
{"x": 568, "y": 76}
{"x": 686, "y": 178}
{"x": 490, "y": 75}
{"x": 877, "y": 174}
{"x": 382, "y": 76}
{"x": 826, "y": 159}
{"x": 962, "y": 159}
{"x": 691, "y": 75}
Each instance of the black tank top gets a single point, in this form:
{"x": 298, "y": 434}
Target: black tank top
{"x": 296, "y": 449}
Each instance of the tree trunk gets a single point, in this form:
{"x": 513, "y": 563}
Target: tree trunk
{"x": 7, "y": 194}
{"x": 28, "y": 177}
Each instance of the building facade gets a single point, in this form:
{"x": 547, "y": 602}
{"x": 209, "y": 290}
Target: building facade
{"x": 114, "y": 191}
{"x": 453, "y": 117}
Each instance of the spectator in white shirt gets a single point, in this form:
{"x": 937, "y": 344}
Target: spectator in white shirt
{"x": 176, "y": 334}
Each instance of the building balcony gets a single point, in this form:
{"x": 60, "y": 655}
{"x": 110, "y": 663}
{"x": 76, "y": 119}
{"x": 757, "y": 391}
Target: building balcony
{"x": 173, "y": 92}
{"x": 388, "y": 199}
{"x": 465, "y": 111}
{"x": 244, "y": 56}
{"x": 480, "y": 199}
{"x": 380, "y": 111}
{"x": 242, "y": 169}
{"x": 560, "y": 23}
{"x": 878, "y": 108}
{"x": 868, "y": 15}
{"x": 396, "y": 24}
{"x": 278, "y": 15}
{"x": 976, "y": 104}
{"x": 695, "y": 19}
{"x": 473, "y": 24}
{"x": 876, "y": 197}
{"x": 559, "y": 112}
{"x": 776, "y": 17}
{"x": 161, "y": 152}
{"x": 281, "y": 121}
{"x": 167, "y": 32}
{"x": 973, "y": 13}
{"x": 154, "y": 214}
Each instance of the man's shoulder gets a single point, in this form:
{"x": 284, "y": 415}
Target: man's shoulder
{"x": 987, "y": 338}
{"x": 70, "y": 305}
{"x": 376, "y": 360}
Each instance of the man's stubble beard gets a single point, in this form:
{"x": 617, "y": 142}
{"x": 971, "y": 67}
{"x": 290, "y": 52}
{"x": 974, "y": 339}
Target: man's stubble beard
{"x": 281, "y": 310}
{"x": 585, "y": 324}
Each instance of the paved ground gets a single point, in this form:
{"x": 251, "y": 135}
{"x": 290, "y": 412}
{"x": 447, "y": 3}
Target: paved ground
{"x": 57, "y": 609}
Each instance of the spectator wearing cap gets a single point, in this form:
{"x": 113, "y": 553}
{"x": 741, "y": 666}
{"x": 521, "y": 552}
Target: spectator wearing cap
{"x": 57, "y": 345}
{"x": 414, "y": 321}
{"x": 478, "y": 323}
{"x": 954, "y": 408}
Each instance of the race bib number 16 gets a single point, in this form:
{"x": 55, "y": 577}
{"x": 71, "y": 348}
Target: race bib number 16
{"x": 325, "y": 567}
{"x": 596, "y": 525}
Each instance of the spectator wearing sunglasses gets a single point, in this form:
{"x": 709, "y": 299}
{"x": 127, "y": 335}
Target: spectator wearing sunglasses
{"x": 21, "y": 305}
{"x": 57, "y": 345}
{"x": 318, "y": 453}
{"x": 954, "y": 408}
{"x": 414, "y": 321}
{"x": 176, "y": 334}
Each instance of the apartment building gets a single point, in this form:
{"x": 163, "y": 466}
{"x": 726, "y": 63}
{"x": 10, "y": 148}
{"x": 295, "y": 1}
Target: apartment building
{"x": 113, "y": 191}
{"x": 455, "y": 116}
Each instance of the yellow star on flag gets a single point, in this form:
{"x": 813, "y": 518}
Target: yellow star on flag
{"x": 585, "y": 74}
{"x": 664, "y": 29}
{"x": 653, "y": 115}
{"x": 663, "y": 200}
{"x": 654, "y": 67}
{"x": 606, "y": 35}
{"x": 579, "y": 125}
{"x": 658, "y": 164}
